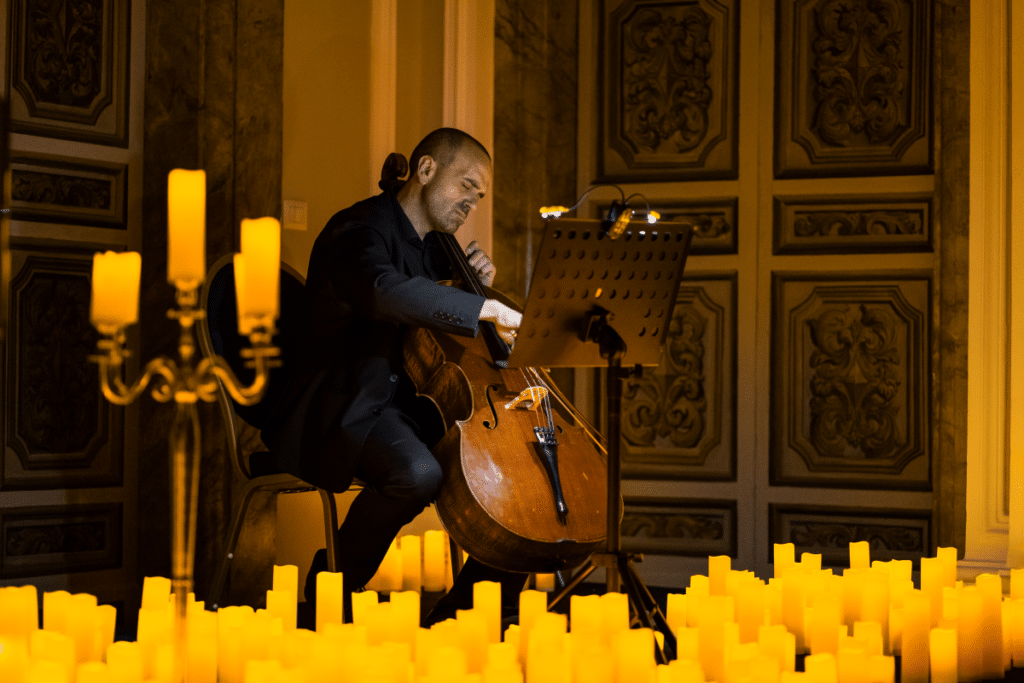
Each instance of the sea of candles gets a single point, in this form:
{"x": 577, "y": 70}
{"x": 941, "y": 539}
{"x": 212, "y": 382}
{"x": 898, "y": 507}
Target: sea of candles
{"x": 729, "y": 626}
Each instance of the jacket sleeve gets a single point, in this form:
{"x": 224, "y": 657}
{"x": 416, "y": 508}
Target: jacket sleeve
{"x": 363, "y": 276}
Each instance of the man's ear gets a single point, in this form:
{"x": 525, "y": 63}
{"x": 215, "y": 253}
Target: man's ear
{"x": 426, "y": 169}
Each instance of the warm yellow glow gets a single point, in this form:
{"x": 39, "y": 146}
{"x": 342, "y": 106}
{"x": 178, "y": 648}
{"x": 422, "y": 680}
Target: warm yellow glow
{"x": 258, "y": 274}
{"x": 433, "y": 560}
{"x": 186, "y": 228}
{"x": 115, "y": 290}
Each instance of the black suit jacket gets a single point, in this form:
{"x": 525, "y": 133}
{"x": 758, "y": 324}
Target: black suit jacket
{"x": 370, "y": 277}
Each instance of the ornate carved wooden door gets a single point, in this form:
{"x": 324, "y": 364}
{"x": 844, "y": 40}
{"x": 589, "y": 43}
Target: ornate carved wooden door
{"x": 67, "y": 501}
{"x": 794, "y": 400}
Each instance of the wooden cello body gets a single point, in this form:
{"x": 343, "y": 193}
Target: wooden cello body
{"x": 500, "y": 500}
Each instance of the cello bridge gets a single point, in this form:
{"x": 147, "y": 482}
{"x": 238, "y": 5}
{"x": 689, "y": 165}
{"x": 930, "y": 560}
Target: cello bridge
{"x": 528, "y": 399}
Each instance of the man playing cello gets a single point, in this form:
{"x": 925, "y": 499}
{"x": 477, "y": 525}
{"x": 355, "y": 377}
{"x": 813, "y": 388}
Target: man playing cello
{"x": 349, "y": 409}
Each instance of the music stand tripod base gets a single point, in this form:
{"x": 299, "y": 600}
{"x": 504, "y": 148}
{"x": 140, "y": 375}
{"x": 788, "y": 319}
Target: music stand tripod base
{"x": 597, "y": 302}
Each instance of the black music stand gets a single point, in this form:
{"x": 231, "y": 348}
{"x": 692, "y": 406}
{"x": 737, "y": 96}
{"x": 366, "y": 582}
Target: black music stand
{"x": 597, "y": 302}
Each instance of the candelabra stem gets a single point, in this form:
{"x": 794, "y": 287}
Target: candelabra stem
{"x": 185, "y": 455}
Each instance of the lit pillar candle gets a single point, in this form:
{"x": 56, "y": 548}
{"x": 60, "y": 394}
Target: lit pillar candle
{"x": 81, "y": 625}
{"x": 54, "y": 647}
{"x": 153, "y": 631}
{"x": 917, "y": 621}
{"x": 46, "y": 671}
{"x": 472, "y": 627}
{"x": 114, "y": 303}
{"x": 405, "y": 611}
{"x": 778, "y": 643}
{"x": 784, "y": 556}
{"x": 860, "y": 555}
{"x": 634, "y": 656}
{"x": 531, "y": 605}
{"x": 773, "y": 601}
{"x": 230, "y": 621}
{"x": 811, "y": 561}
{"x": 392, "y": 569}
{"x": 433, "y": 561}
{"x": 942, "y": 655}
{"x": 156, "y": 591}
{"x": 186, "y": 228}
{"x": 697, "y": 590}
{"x": 20, "y": 610}
{"x": 547, "y": 659}
{"x": 688, "y": 643}
{"x": 875, "y": 603}
{"x": 55, "y": 611}
{"x": 1017, "y": 584}
{"x": 362, "y": 602}
{"x": 201, "y": 665}
{"x": 286, "y": 578}
{"x": 411, "y": 568}
{"x": 869, "y": 634}
{"x": 1017, "y": 630}
{"x": 1005, "y": 606}
{"x": 947, "y": 557}
{"x": 969, "y": 636}
{"x": 881, "y": 669}
{"x": 675, "y": 610}
{"x": 487, "y": 600}
{"x": 380, "y": 623}
{"x": 106, "y": 620}
{"x": 615, "y": 613}
{"x": 14, "y": 661}
{"x": 261, "y": 251}
{"x": 124, "y": 662}
{"x": 991, "y": 588}
{"x": 585, "y": 616}
{"x": 851, "y": 666}
{"x": 718, "y": 569}
{"x": 793, "y": 587}
{"x": 281, "y": 605}
{"x": 932, "y": 582}
{"x": 328, "y": 599}
{"x": 715, "y": 611}
{"x": 750, "y": 610}
{"x": 820, "y": 668}
{"x": 447, "y": 663}
{"x": 950, "y": 608}
{"x": 824, "y": 626}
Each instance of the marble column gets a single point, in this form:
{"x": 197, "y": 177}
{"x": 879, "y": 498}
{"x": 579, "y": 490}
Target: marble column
{"x": 952, "y": 48}
{"x": 213, "y": 101}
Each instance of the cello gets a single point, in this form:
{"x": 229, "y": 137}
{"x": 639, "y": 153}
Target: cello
{"x": 523, "y": 489}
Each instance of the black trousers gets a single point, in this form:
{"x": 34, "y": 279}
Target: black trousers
{"x": 401, "y": 478}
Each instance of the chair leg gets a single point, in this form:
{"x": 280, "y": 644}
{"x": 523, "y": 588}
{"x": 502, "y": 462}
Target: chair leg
{"x": 236, "y": 529}
{"x": 330, "y": 529}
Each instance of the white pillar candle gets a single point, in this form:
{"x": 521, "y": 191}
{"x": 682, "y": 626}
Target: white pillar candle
{"x": 412, "y": 570}
{"x": 783, "y": 557}
{"x": 261, "y": 250}
{"x": 991, "y": 588}
{"x": 947, "y": 556}
{"x": 186, "y": 228}
{"x": 943, "y": 655}
{"x": 433, "y": 560}
{"x": 487, "y": 600}
{"x": 969, "y": 637}
{"x": 915, "y": 638}
{"x": 115, "y": 290}
{"x": 328, "y": 599}
{"x": 860, "y": 555}
{"x": 718, "y": 569}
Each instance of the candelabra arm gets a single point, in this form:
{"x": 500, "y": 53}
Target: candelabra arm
{"x": 262, "y": 357}
{"x": 111, "y": 362}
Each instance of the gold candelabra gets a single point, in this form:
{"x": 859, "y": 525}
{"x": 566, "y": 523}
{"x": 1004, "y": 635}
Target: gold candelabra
{"x": 185, "y": 383}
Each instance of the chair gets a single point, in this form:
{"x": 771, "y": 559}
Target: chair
{"x": 218, "y": 334}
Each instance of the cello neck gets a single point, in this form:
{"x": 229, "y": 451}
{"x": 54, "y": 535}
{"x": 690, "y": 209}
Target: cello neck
{"x": 471, "y": 283}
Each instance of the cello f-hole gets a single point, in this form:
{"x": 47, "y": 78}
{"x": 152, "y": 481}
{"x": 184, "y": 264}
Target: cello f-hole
{"x": 491, "y": 424}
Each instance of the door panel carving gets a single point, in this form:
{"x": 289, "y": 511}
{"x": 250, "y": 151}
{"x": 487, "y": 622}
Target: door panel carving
{"x": 850, "y": 382}
{"x": 670, "y": 83}
{"x": 667, "y": 526}
{"x": 885, "y": 224}
{"x": 853, "y": 89}
{"x": 678, "y": 420}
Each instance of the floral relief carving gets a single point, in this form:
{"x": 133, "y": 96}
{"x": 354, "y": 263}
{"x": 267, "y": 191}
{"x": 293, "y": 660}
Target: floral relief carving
{"x": 847, "y": 223}
{"x": 671, "y": 404}
{"x": 652, "y": 525}
{"x": 55, "y": 538}
{"x": 854, "y": 383}
{"x": 880, "y": 537}
{"x": 60, "y": 190}
{"x": 58, "y": 392}
{"x": 62, "y": 64}
{"x": 665, "y": 79}
{"x": 859, "y": 72}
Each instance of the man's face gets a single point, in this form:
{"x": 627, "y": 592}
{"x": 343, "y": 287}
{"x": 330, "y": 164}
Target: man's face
{"x": 454, "y": 190}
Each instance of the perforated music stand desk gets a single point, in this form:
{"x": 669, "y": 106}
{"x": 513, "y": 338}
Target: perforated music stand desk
{"x": 601, "y": 302}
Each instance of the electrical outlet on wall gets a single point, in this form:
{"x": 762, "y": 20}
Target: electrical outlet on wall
{"x": 295, "y": 214}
